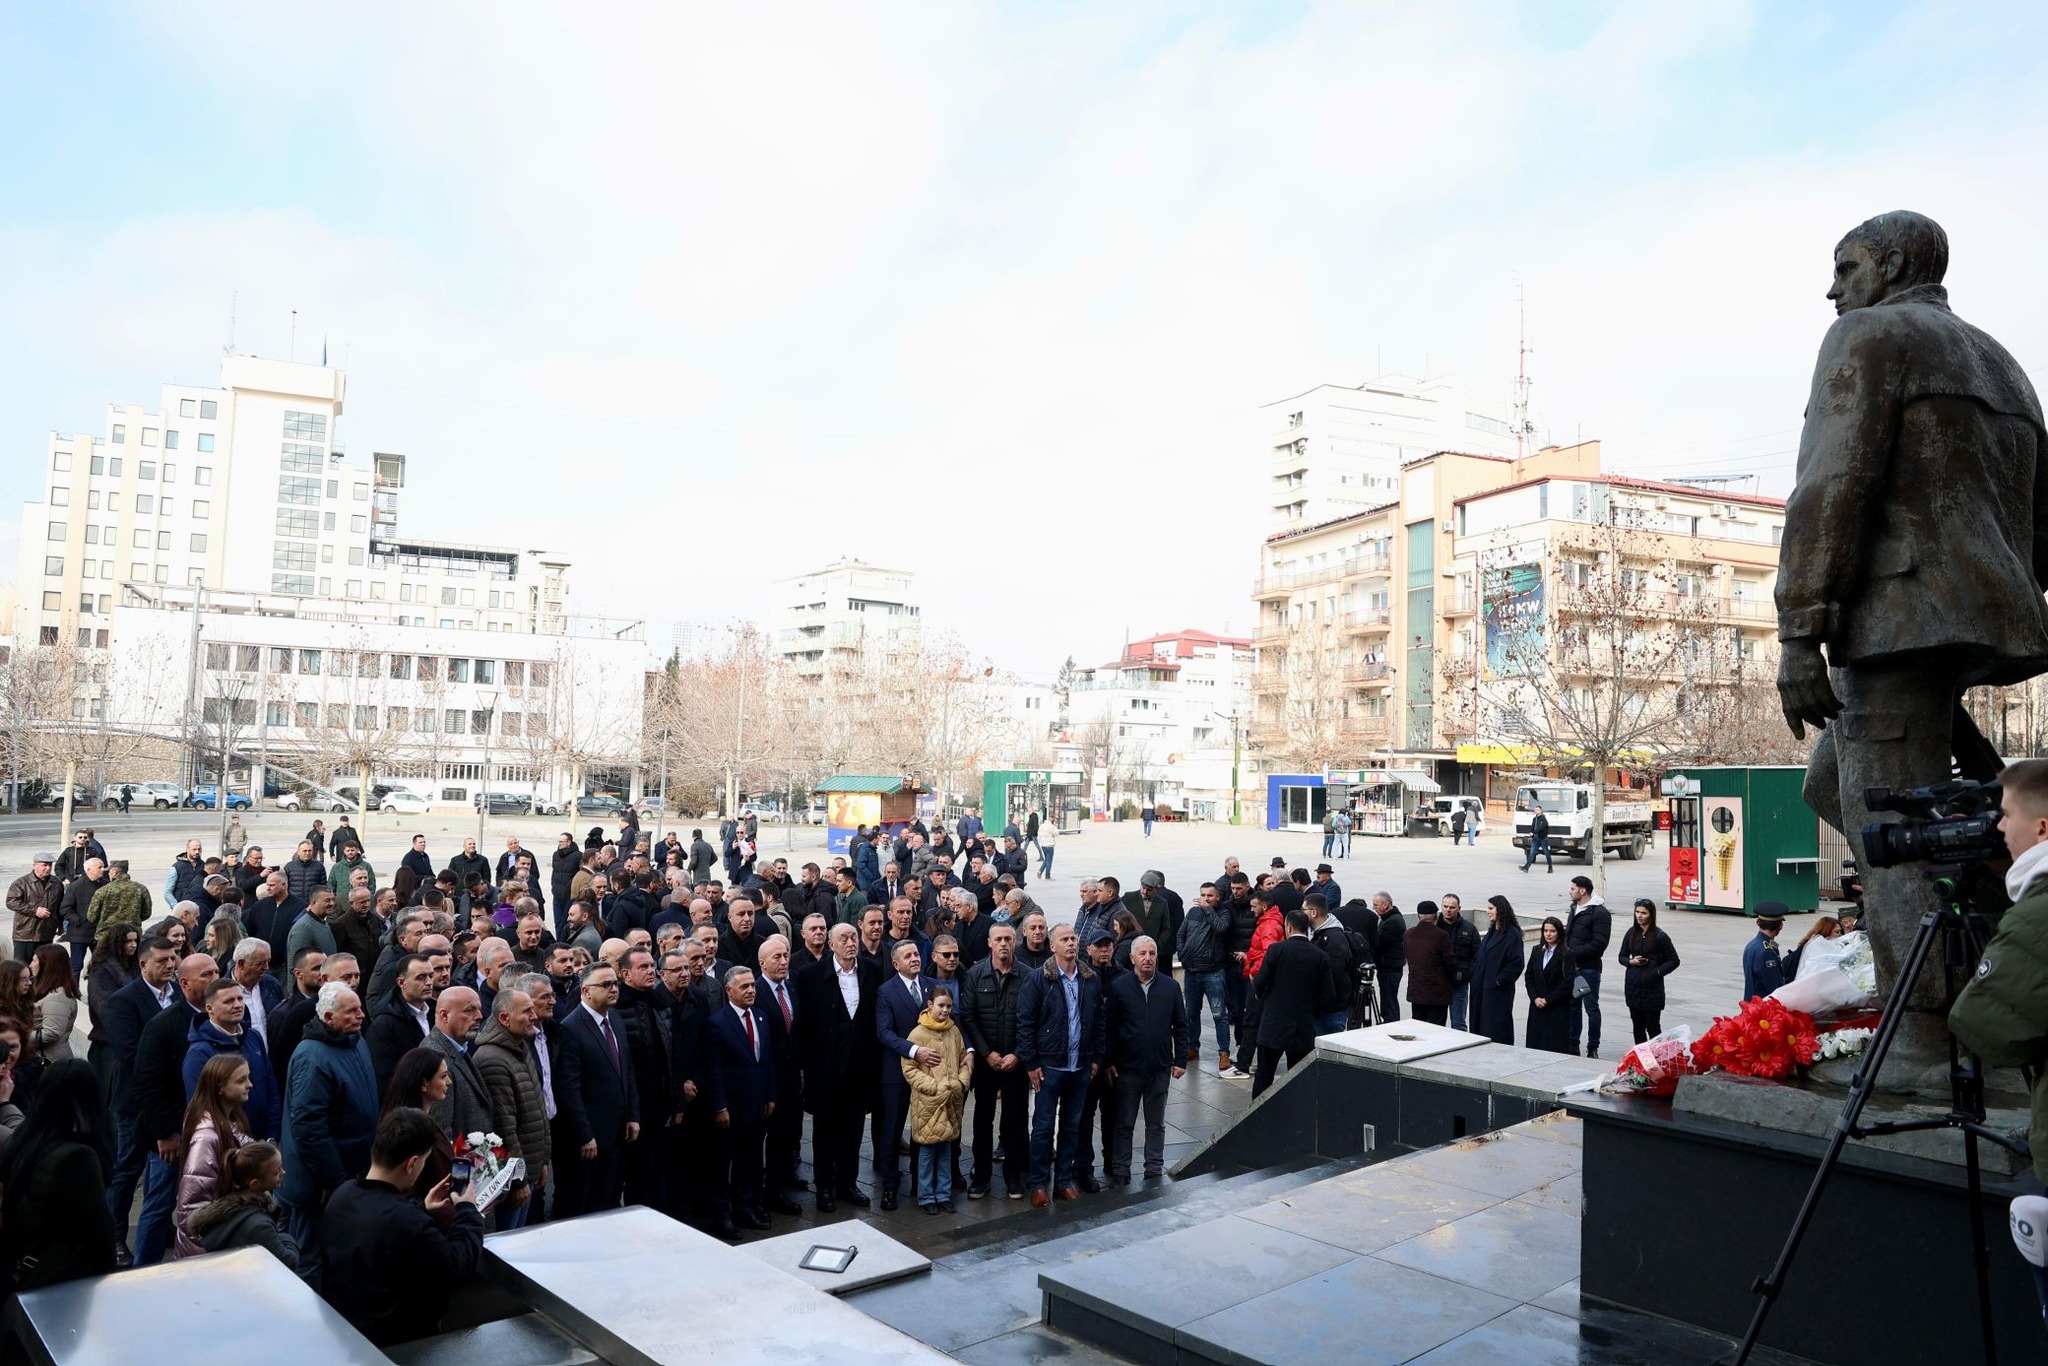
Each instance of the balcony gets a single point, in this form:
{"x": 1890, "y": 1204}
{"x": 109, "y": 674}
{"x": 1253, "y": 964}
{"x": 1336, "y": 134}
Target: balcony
{"x": 1665, "y": 604}
{"x": 1460, "y": 604}
{"x": 1371, "y": 621}
{"x": 1370, "y": 730}
{"x": 1368, "y": 566}
{"x": 1366, "y": 673}
{"x": 1280, "y": 584}
{"x": 1267, "y": 683}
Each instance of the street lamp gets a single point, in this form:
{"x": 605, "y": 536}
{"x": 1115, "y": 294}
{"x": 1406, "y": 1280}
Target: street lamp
{"x": 483, "y": 797}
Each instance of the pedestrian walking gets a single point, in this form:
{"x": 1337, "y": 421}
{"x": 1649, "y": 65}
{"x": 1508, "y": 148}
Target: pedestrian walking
{"x": 1539, "y": 843}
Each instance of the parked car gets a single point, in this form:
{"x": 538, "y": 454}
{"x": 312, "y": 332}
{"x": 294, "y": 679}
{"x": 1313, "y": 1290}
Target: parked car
{"x": 504, "y": 803}
{"x": 404, "y": 802}
{"x": 161, "y": 795}
{"x": 599, "y": 804}
{"x": 314, "y": 799}
{"x": 206, "y": 795}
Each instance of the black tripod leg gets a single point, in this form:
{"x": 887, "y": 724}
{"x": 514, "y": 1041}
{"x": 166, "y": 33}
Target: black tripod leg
{"x": 1860, "y": 1087}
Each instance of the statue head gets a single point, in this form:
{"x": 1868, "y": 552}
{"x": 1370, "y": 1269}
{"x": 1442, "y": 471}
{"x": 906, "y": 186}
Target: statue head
{"x": 1886, "y": 254}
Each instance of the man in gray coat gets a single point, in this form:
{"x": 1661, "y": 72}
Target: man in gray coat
{"x": 1915, "y": 544}
{"x": 466, "y": 1109}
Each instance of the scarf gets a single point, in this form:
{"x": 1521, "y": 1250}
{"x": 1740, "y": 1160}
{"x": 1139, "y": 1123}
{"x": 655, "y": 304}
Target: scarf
{"x": 2028, "y": 867}
{"x": 936, "y": 1026}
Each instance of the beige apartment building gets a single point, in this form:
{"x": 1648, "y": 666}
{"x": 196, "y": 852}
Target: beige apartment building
{"x": 1371, "y": 631}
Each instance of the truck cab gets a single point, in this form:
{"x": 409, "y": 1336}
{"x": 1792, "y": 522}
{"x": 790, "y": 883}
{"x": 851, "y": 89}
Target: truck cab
{"x": 1569, "y": 808}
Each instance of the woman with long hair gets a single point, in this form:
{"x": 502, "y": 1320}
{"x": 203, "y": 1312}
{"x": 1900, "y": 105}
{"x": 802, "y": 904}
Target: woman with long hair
{"x": 17, "y": 990}
{"x": 1824, "y": 927}
{"x": 113, "y": 967}
{"x": 1496, "y": 972}
{"x": 54, "y": 1222}
{"x": 405, "y": 882}
{"x": 56, "y": 1009}
{"x": 216, "y": 1123}
{"x": 1647, "y": 958}
{"x": 1548, "y": 981}
{"x": 223, "y": 932}
{"x": 420, "y": 1082}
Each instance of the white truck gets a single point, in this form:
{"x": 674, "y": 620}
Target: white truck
{"x": 1569, "y": 807}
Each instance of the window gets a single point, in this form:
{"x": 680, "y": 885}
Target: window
{"x": 170, "y": 473}
{"x": 305, "y": 426}
{"x": 49, "y": 635}
{"x": 120, "y": 435}
{"x": 327, "y": 521}
{"x": 187, "y": 408}
{"x": 352, "y": 589}
{"x": 447, "y": 597}
{"x": 59, "y": 530}
{"x": 397, "y": 719}
{"x": 92, "y": 535}
{"x": 327, "y": 554}
{"x": 326, "y": 587}
{"x": 295, "y": 489}
{"x": 87, "y": 567}
{"x": 113, "y": 502}
{"x": 337, "y": 716}
{"x": 141, "y": 538}
{"x": 479, "y": 723}
{"x": 301, "y": 459}
{"x": 201, "y": 508}
{"x": 195, "y": 578}
{"x": 138, "y": 570}
{"x": 293, "y": 522}
{"x": 359, "y": 524}
{"x": 85, "y": 603}
{"x": 401, "y": 667}
{"x": 286, "y": 555}
{"x": 162, "y": 574}
{"x": 458, "y": 670}
{"x": 206, "y": 442}
{"x": 280, "y": 659}
{"x": 216, "y": 657}
{"x": 99, "y": 464}
{"x": 149, "y": 436}
{"x": 84, "y": 639}
{"x": 307, "y": 714}
{"x": 430, "y": 665}
{"x": 309, "y": 661}
{"x": 106, "y": 603}
{"x": 145, "y": 504}
{"x": 430, "y": 721}
{"x": 469, "y": 597}
{"x": 366, "y": 717}
{"x": 369, "y": 663}
{"x": 146, "y": 470}
{"x": 405, "y": 592}
{"x": 539, "y": 673}
{"x": 202, "y": 474}
{"x": 355, "y": 554}
{"x": 515, "y": 673}
{"x": 114, "y": 467}
{"x": 60, "y": 497}
{"x": 334, "y": 488}
{"x": 198, "y": 543}
{"x": 248, "y": 658}
{"x": 362, "y": 493}
{"x": 54, "y": 564}
{"x": 276, "y": 713}
{"x": 510, "y": 723}
{"x": 451, "y": 721}
{"x": 208, "y": 408}
{"x": 92, "y": 498}
{"x": 376, "y": 590}
{"x": 163, "y": 540}
{"x": 53, "y": 602}
{"x": 107, "y": 566}
{"x": 487, "y": 671}
{"x": 170, "y": 442}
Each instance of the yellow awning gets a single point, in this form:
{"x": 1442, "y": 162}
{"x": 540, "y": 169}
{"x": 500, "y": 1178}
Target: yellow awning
{"x": 1518, "y": 755}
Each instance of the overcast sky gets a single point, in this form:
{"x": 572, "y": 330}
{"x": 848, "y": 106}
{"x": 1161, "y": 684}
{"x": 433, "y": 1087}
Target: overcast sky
{"x": 706, "y": 295}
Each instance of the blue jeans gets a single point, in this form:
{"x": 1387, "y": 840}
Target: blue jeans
{"x": 1536, "y": 847}
{"x": 1333, "y": 1023}
{"x": 303, "y": 1223}
{"x": 1148, "y": 829}
{"x": 1056, "y": 1127}
{"x": 159, "y": 1203}
{"x": 1045, "y": 860}
{"x": 1329, "y": 842}
{"x": 935, "y": 1173}
{"x": 1200, "y": 986}
{"x": 1586, "y": 1013}
{"x": 127, "y": 1171}
{"x": 1471, "y": 834}
{"x": 1461, "y": 995}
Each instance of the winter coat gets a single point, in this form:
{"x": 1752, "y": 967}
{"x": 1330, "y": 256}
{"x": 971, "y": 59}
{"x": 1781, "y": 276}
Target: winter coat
{"x": 330, "y": 1107}
{"x": 303, "y": 877}
{"x": 28, "y": 895}
{"x": 1390, "y": 941}
{"x": 937, "y": 1094}
{"x": 338, "y": 876}
{"x": 1465, "y": 936}
{"x": 1431, "y": 962}
{"x": 1243, "y": 920}
{"x": 1205, "y": 938}
{"x": 56, "y": 1017}
{"x": 205, "y": 1040}
{"x": 199, "y": 1182}
{"x": 1642, "y": 988}
{"x": 388, "y": 1267}
{"x": 123, "y": 901}
{"x": 466, "y": 866}
{"x": 361, "y": 935}
{"x": 1496, "y": 972}
{"x": 2002, "y": 1015}
{"x": 511, "y": 1074}
{"x": 244, "y": 1219}
{"x": 77, "y": 909}
{"x": 1587, "y": 932}
{"x": 562, "y": 874}
{"x": 58, "y": 1214}
{"x": 1549, "y": 1024}
{"x": 1271, "y": 929}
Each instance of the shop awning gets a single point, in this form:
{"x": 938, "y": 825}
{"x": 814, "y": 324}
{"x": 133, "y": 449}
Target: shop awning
{"x": 884, "y": 783}
{"x": 1513, "y": 756}
{"x": 1414, "y": 779}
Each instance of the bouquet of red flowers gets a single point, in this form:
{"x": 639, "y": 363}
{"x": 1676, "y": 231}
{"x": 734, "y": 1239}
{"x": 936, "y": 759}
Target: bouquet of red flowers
{"x": 1766, "y": 1038}
{"x": 1652, "y": 1068}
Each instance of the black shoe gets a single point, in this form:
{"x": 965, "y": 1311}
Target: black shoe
{"x": 855, "y": 1196}
{"x": 977, "y": 1192}
{"x": 778, "y": 1203}
{"x": 792, "y": 1182}
{"x": 1090, "y": 1185}
{"x": 929, "y": 1209}
{"x": 946, "y": 1206}
{"x": 826, "y": 1204}
{"x": 888, "y": 1201}
{"x": 123, "y": 1259}
{"x": 727, "y": 1229}
{"x": 753, "y": 1219}
{"x": 1593, "y": 1053}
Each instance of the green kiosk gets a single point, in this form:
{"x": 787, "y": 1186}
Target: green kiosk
{"x": 1741, "y": 836}
{"x": 1012, "y": 794}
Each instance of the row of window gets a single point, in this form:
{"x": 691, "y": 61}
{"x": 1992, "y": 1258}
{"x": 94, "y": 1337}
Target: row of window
{"x": 222, "y": 657}
{"x": 170, "y": 442}
{"x": 299, "y": 555}
{"x": 144, "y": 539}
{"x": 88, "y": 639}
{"x": 362, "y": 718}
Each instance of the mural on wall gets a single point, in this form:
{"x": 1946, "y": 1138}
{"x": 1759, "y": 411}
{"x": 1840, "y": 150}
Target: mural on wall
{"x": 1513, "y": 617}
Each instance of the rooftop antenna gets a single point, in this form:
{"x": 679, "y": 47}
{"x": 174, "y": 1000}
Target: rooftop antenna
{"x": 1524, "y": 428}
{"x": 234, "y": 302}
{"x": 293, "y": 353}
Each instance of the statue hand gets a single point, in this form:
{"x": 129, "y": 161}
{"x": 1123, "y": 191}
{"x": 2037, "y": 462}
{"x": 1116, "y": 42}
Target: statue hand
{"x": 1803, "y": 687}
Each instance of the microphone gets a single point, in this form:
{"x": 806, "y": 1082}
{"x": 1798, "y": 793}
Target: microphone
{"x": 2028, "y": 1217}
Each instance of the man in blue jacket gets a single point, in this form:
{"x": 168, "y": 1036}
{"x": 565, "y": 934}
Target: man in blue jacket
{"x": 897, "y": 1005}
{"x": 1762, "y": 973}
{"x": 1059, "y": 1045}
{"x": 225, "y": 1029}
{"x": 330, "y": 1117}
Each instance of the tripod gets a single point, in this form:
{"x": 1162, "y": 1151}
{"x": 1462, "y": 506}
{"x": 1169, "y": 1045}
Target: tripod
{"x": 1963, "y": 939}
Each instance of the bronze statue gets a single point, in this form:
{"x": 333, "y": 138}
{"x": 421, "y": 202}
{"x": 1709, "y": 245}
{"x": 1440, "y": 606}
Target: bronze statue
{"x": 1915, "y": 546}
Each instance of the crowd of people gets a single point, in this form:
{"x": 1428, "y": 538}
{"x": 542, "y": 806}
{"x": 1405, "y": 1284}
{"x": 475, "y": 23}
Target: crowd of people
{"x": 297, "y": 1055}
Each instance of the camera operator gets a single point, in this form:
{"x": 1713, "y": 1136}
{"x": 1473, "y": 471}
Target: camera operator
{"x": 2002, "y": 1015}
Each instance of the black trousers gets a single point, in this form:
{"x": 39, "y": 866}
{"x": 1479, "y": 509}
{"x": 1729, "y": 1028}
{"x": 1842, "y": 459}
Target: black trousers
{"x": 1648, "y": 1023}
{"x": 890, "y": 1116}
{"x": 835, "y": 1146}
{"x": 786, "y": 1129}
{"x": 1012, "y": 1091}
{"x": 681, "y": 1154}
{"x": 1269, "y": 1061}
{"x": 736, "y": 1172}
{"x": 591, "y": 1184}
{"x": 1390, "y": 995}
{"x": 1438, "y": 1015}
{"x": 1098, "y": 1112}
{"x": 646, "y": 1169}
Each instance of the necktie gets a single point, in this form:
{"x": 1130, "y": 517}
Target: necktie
{"x": 611, "y": 1040}
{"x": 917, "y": 993}
{"x": 782, "y": 999}
{"x": 753, "y": 1044}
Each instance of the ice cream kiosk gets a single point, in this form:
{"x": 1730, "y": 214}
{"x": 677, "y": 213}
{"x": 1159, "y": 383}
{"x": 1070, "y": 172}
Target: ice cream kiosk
{"x": 1741, "y": 836}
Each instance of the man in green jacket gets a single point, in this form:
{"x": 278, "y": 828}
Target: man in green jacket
{"x": 123, "y": 901}
{"x": 2002, "y": 1015}
{"x": 350, "y": 860}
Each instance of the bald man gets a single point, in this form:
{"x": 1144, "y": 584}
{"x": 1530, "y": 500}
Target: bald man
{"x": 466, "y": 1109}
{"x": 159, "y": 1099}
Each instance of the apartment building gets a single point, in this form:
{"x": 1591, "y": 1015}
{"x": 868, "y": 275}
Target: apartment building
{"x": 1163, "y": 722}
{"x": 829, "y": 618}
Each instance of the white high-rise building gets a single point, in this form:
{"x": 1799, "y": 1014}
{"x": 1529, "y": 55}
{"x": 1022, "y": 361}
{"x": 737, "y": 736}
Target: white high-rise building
{"x": 1167, "y": 720}
{"x": 1336, "y": 450}
{"x": 832, "y": 616}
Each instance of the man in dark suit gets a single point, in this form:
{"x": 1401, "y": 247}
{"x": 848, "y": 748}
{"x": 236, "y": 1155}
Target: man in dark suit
{"x": 596, "y": 1098}
{"x": 741, "y": 941}
{"x": 837, "y": 1047}
{"x": 739, "y": 1085}
{"x": 117, "y": 1034}
{"x": 1059, "y": 1046}
{"x": 403, "y": 1018}
{"x": 887, "y": 887}
{"x": 776, "y": 994}
{"x": 1292, "y": 988}
{"x": 897, "y": 1005}
{"x": 158, "y": 1097}
{"x": 1146, "y": 1033}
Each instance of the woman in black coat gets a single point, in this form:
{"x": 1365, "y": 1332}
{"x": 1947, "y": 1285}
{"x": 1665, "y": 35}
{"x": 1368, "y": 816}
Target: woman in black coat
{"x": 1548, "y": 981}
{"x": 55, "y": 1225}
{"x": 1495, "y": 971}
{"x": 1647, "y": 958}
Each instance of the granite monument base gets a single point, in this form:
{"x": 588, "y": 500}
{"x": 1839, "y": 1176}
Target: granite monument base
{"x": 1683, "y": 1212}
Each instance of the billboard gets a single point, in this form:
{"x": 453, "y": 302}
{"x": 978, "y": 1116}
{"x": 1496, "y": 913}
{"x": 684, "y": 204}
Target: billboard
{"x": 1512, "y": 617}
{"x": 1722, "y": 855}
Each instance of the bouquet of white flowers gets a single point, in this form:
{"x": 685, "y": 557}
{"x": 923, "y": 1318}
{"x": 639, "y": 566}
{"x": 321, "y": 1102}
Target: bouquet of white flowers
{"x": 491, "y": 1172}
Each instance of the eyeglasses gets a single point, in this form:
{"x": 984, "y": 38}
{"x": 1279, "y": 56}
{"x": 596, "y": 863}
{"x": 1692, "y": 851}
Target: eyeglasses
{"x": 947, "y": 956}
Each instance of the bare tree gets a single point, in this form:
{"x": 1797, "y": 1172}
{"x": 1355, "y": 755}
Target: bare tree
{"x": 723, "y": 716}
{"x": 94, "y": 716}
{"x": 359, "y": 730}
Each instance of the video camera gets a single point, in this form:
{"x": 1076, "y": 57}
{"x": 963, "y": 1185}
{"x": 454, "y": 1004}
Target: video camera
{"x": 1951, "y": 823}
